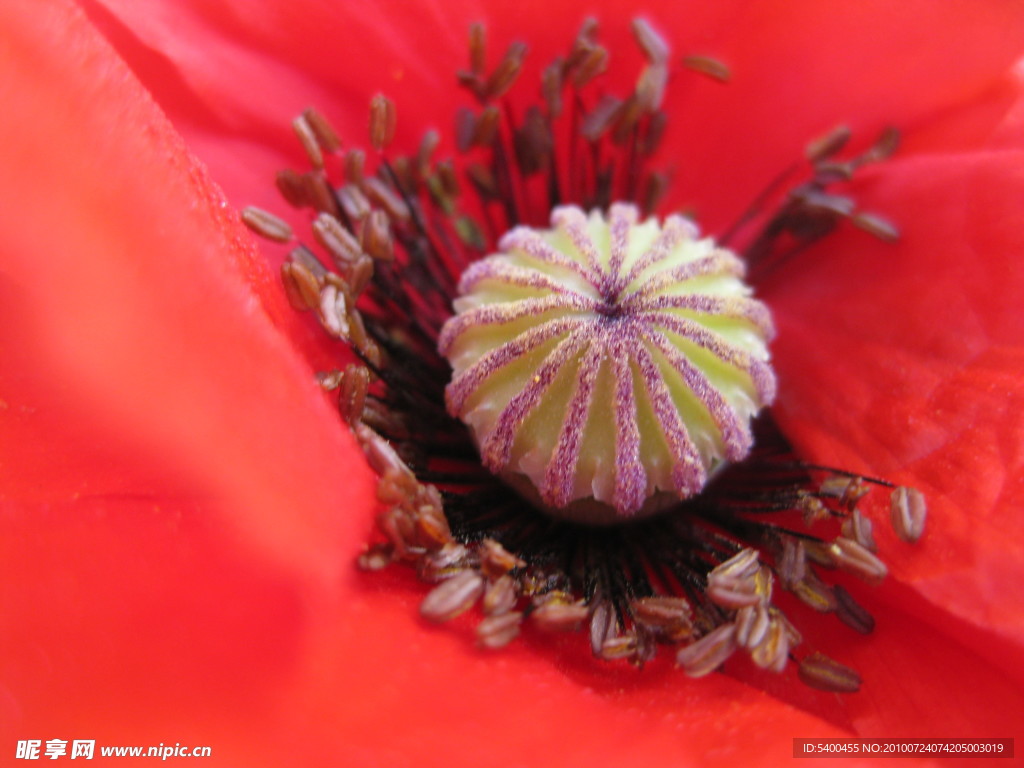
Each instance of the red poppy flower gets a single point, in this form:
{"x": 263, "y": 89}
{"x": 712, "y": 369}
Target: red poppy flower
{"x": 181, "y": 506}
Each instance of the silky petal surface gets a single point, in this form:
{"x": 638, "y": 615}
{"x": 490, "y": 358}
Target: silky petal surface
{"x": 191, "y": 511}
{"x": 164, "y": 515}
{"x": 231, "y": 79}
{"x": 927, "y": 397}
{"x": 868, "y": 65}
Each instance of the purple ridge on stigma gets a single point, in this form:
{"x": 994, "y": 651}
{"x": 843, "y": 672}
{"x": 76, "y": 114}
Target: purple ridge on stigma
{"x": 630, "y": 475}
{"x": 736, "y": 437}
{"x": 529, "y": 242}
{"x": 733, "y": 307}
{"x": 493, "y": 269}
{"x": 688, "y": 475}
{"x": 760, "y": 373}
{"x": 574, "y": 223}
{"x": 559, "y": 478}
{"x": 499, "y": 314}
{"x": 497, "y": 446}
{"x": 622, "y": 218}
{"x": 463, "y": 386}
{"x": 675, "y": 229}
{"x": 718, "y": 263}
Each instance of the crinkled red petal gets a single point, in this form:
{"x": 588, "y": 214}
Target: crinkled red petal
{"x": 173, "y": 489}
{"x": 189, "y": 580}
{"x": 227, "y": 73}
{"x": 917, "y": 355}
{"x": 170, "y": 477}
{"x": 230, "y": 78}
{"x": 799, "y": 69}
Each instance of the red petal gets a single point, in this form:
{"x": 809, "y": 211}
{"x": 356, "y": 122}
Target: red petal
{"x": 357, "y": 679}
{"x": 800, "y": 68}
{"x": 917, "y": 357}
{"x": 918, "y": 661}
{"x": 230, "y": 77}
{"x": 170, "y": 477}
{"x": 126, "y": 321}
{"x": 142, "y": 620}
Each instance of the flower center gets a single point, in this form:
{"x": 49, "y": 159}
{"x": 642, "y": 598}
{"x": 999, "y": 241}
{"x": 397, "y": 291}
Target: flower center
{"x": 607, "y": 367}
{"x": 603, "y": 368}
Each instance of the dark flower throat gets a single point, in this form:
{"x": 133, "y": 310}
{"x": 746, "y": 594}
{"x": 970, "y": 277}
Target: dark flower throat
{"x": 395, "y": 232}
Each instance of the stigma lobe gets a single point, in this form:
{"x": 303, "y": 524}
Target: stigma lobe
{"x": 607, "y": 367}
